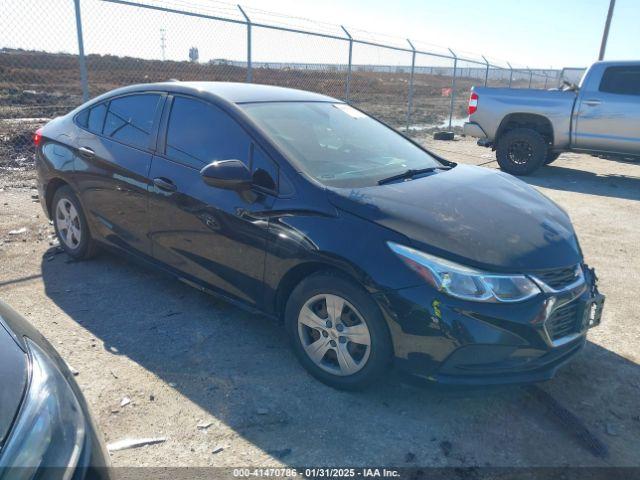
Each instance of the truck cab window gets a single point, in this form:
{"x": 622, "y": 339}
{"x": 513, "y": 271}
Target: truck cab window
{"x": 621, "y": 80}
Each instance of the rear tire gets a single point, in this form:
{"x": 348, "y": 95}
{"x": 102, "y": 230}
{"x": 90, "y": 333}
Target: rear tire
{"x": 337, "y": 331}
{"x": 70, "y": 224}
{"x": 521, "y": 151}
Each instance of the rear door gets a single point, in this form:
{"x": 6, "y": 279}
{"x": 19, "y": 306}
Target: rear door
{"x": 211, "y": 235}
{"x": 114, "y": 148}
{"x": 608, "y": 116}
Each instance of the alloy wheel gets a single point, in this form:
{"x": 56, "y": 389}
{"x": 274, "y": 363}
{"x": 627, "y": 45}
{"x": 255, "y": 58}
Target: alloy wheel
{"x": 334, "y": 335}
{"x": 68, "y": 223}
{"x": 520, "y": 152}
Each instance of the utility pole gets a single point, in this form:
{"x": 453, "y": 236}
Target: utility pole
{"x": 163, "y": 42}
{"x": 83, "y": 62}
{"x": 249, "y": 61}
{"x": 605, "y": 34}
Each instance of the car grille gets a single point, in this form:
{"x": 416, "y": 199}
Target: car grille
{"x": 563, "y": 321}
{"x": 558, "y": 278}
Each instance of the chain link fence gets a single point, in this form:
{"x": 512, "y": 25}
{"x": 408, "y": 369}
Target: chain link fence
{"x": 54, "y": 58}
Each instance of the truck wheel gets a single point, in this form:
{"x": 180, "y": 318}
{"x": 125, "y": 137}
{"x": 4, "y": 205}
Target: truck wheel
{"x": 521, "y": 151}
{"x": 551, "y": 157}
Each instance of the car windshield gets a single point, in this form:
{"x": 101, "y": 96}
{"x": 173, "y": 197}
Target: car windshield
{"x": 337, "y": 144}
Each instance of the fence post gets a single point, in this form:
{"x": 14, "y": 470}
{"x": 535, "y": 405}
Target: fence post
{"x": 249, "y": 65}
{"x": 410, "y": 99}
{"x": 546, "y": 78}
{"x": 530, "y": 76}
{"x": 83, "y": 63}
{"x": 347, "y": 86}
{"x": 510, "y": 74}
{"x": 453, "y": 86}
{"x": 486, "y": 72}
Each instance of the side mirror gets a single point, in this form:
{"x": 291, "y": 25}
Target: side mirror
{"x": 227, "y": 174}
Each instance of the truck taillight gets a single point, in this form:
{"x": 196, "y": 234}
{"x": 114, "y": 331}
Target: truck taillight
{"x": 37, "y": 136}
{"x": 473, "y": 103}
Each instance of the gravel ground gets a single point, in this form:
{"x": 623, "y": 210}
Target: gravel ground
{"x": 184, "y": 358}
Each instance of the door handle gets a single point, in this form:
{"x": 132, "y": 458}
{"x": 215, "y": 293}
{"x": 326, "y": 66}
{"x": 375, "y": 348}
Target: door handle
{"x": 86, "y": 152}
{"x": 592, "y": 103}
{"x": 165, "y": 184}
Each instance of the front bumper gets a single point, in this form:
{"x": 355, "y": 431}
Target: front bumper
{"x": 447, "y": 340}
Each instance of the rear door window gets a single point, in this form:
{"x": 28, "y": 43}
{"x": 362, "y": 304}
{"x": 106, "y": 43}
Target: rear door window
{"x": 621, "y": 80}
{"x": 130, "y": 119}
{"x": 200, "y": 133}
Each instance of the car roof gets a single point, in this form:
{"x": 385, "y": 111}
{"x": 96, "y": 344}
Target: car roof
{"x": 231, "y": 91}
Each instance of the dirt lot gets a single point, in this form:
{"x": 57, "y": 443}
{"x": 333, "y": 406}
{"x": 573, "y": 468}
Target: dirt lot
{"x": 184, "y": 358}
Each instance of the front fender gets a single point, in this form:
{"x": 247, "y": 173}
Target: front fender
{"x": 342, "y": 241}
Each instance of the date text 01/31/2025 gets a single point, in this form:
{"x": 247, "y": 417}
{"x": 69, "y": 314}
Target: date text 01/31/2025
{"x": 317, "y": 472}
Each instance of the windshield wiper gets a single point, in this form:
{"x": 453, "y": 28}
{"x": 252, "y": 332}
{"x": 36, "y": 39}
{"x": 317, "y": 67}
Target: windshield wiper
{"x": 412, "y": 172}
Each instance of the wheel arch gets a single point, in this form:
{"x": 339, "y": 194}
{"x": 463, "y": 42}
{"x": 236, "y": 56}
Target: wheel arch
{"x": 292, "y": 278}
{"x": 52, "y": 187}
{"x": 537, "y": 122}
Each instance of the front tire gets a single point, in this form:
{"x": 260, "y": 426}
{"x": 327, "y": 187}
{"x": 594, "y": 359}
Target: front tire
{"x": 521, "y": 151}
{"x": 70, "y": 224}
{"x": 337, "y": 331}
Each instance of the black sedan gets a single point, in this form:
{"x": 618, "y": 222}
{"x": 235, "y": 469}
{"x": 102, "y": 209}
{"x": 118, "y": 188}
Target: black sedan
{"x": 301, "y": 207}
{"x": 46, "y": 430}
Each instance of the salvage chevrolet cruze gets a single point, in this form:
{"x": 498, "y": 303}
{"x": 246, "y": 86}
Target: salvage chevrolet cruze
{"x": 371, "y": 249}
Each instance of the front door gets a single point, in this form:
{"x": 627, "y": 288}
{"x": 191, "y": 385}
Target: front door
{"x": 609, "y": 113}
{"x": 213, "y": 235}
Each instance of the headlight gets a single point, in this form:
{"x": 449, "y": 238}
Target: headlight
{"x": 50, "y": 428}
{"x": 465, "y": 282}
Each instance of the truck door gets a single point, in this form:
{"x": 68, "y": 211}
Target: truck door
{"x": 608, "y": 117}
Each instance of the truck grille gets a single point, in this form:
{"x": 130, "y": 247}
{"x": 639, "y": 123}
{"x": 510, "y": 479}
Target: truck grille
{"x": 558, "y": 278}
{"x": 563, "y": 321}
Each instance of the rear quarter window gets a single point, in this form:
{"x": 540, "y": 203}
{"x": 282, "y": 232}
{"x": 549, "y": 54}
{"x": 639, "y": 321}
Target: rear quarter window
{"x": 92, "y": 119}
{"x": 82, "y": 119}
{"x": 96, "y": 118}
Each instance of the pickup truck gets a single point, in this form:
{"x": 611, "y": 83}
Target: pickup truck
{"x": 529, "y": 128}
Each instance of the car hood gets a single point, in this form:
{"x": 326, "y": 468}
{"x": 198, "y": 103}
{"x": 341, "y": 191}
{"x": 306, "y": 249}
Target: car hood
{"x": 13, "y": 375}
{"x": 474, "y": 215}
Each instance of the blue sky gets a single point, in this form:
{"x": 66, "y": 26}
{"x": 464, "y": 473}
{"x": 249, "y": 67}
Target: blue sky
{"x": 535, "y": 33}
